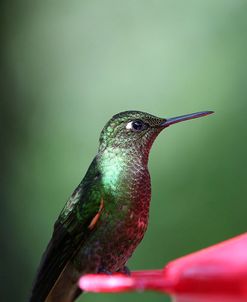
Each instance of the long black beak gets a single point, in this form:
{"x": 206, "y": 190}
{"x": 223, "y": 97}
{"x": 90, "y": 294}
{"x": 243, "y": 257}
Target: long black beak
{"x": 182, "y": 118}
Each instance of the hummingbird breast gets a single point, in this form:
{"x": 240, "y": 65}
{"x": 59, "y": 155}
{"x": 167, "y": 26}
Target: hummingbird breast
{"x": 128, "y": 221}
{"x": 124, "y": 219}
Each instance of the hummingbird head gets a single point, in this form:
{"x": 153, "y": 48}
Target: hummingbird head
{"x": 136, "y": 130}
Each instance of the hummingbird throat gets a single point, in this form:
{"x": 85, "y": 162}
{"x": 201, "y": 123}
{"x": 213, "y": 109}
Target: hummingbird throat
{"x": 116, "y": 167}
{"x": 112, "y": 166}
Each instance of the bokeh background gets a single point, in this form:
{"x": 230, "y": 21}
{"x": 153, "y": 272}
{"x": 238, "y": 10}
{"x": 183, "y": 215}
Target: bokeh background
{"x": 67, "y": 67}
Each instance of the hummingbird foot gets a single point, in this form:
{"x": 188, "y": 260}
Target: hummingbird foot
{"x": 104, "y": 271}
{"x": 124, "y": 270}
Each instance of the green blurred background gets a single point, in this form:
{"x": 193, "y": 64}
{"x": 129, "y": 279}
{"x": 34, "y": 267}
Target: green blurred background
{"x": 67, "y": 67}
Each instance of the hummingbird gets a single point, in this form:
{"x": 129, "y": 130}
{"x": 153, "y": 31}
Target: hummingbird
{"x": 107, "y": 215}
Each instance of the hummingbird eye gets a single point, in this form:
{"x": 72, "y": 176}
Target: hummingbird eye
{"x": 136, "y": 125}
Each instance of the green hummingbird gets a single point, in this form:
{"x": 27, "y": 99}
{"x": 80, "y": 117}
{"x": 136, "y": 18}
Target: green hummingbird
{"x": 107, "y": 215}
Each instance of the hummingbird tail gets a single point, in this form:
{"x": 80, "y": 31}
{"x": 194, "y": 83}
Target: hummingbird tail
{"x": 66, "y": 288}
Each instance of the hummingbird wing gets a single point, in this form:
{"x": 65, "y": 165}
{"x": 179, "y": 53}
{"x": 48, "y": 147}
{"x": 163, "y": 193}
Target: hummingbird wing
{"x": 72, "y": 228}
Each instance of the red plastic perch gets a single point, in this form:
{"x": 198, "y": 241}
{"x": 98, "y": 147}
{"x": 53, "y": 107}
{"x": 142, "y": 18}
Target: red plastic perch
{"x": 215, "y": 274}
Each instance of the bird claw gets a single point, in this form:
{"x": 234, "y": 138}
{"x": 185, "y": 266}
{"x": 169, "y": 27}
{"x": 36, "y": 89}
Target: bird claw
{"x": 104, "y": 271}
{"x": 125, "y": 270}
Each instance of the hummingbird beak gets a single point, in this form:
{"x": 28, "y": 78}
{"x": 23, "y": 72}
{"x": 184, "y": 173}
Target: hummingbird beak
{"x": 182, "y": 118}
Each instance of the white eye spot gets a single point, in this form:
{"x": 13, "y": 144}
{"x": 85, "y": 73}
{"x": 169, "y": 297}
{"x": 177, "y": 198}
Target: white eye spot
{"x": 129, "y": 126}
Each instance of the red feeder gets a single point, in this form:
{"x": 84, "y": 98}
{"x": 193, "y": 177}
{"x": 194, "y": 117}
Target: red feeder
{"x": 217, "y": 273}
